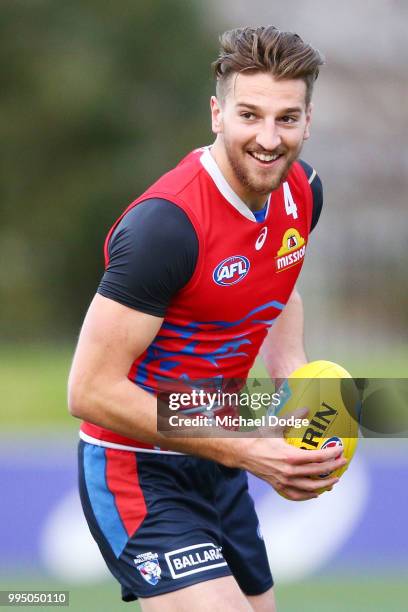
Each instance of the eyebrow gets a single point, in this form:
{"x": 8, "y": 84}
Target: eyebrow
{"x": 293, "y": 109}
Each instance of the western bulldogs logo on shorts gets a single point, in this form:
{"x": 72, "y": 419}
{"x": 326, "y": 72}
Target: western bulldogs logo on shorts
{"x": 149, "y": 568}
{"x": 194, "y": 559}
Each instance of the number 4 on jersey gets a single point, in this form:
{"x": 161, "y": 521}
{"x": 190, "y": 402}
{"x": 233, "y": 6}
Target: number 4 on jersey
{"x": 290, "y": 206}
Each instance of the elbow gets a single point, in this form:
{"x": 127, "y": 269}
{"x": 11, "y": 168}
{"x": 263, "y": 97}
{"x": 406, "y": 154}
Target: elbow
{"x": 80, "y": 400}
{"x": 75, "y": 403}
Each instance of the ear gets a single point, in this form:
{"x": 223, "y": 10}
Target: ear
{"x": 309, "y": 111}
{"x": 216, "y": 115}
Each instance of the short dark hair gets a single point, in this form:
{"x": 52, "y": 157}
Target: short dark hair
{"x": 266, "y": 49}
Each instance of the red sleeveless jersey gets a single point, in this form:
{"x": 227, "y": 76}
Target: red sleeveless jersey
{"x": 245, "y": 273}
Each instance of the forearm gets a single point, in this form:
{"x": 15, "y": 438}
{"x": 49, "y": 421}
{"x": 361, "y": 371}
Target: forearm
{"x": 283, "y": 349}
{"x": 126, "y": 409}
{"x": 129, "y": 410}
{"x": 100, "y": 392}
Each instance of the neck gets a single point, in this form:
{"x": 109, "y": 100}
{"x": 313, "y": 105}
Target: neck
{"x": 254, "y": 201}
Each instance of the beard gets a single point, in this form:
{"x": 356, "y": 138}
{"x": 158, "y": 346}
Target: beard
{"x": 261, "y": 182}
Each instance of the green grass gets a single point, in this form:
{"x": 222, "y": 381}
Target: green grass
{"x": 336, "y": 594}
{"x": 345, "y": 594}
{"x": 390, "y": 365}
{"x": 33, "y": 382}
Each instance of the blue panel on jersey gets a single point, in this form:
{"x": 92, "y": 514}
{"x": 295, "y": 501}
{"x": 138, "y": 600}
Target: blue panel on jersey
{"x": 184, "y": 331}
{"x": 102, "y": 500}
{"x": 226, "y": 350}
{"x": 155, "y": 352}
{"x": 273, "y": 304}
{"x": 168, "y": 365}
{"x": 260, "y": 214}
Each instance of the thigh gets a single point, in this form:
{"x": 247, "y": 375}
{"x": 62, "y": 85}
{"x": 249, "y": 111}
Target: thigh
{"x": 243, "y": 545}
{"x": 263, "y": 603}
{"x": 153, "y": 518}
{"x": 219, "y": 594}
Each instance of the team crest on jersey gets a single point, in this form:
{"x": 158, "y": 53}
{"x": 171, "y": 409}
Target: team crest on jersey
{"x": 292, "y": 250}
{"x": 149, "y": 567}
{"x": 231, "y": 270}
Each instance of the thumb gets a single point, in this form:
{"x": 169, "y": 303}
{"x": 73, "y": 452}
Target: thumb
{"x": 283, "y": 426}
{"x": 299, "y": 413}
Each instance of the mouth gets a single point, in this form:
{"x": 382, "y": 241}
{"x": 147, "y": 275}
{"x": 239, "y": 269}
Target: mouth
{"x": 265, "y": 159}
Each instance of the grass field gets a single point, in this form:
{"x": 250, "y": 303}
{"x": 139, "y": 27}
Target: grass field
{"x": 333, "y": 594}
{"x": 33, "y": 381}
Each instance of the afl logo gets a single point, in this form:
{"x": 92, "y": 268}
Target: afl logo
{"x": 330, "y": 443}
{"x": 231, "y": 270}
{"x": 261, "y": 239}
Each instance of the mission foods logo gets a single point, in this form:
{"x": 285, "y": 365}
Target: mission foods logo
{"x": 292, "y": 250}
{"x": 194, "y": 559}
{"x": 231, "y": 270}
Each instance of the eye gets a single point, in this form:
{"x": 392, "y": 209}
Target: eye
{"x": 247, "y": 115}
{"x": 288, "y": 119}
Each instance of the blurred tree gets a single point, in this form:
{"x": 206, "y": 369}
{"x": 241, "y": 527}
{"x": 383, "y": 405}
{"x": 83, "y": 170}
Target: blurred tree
{"x": 97, "y": 99}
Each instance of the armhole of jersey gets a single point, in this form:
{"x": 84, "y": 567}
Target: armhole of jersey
{"x": 194, "y": 222}
{"x": 109, "y": 236}
{"x": 309, "y": 202}
{"x": 310, "y": 207}
{"x": 191, "y": 217}
{"x": 112, "y": 229}
{"x": 309, "y": 214}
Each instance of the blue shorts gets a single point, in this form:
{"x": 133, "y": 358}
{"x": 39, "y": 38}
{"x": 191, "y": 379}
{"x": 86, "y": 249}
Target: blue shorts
{"x": 164, "y": 522}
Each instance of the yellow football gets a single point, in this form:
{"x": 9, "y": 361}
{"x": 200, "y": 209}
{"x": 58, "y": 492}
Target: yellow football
{"x": 330, "y": 394}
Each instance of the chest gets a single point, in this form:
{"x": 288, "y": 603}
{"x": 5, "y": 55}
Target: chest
{"x": 244, "y": 266}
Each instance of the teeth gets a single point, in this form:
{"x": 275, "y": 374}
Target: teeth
{"x": 263, "y": 157}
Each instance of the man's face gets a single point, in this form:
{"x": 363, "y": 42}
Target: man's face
{"x": 261, "y": 126}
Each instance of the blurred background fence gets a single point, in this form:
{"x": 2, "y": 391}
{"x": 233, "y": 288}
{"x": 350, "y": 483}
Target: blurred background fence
{"x": 97, "y": 99}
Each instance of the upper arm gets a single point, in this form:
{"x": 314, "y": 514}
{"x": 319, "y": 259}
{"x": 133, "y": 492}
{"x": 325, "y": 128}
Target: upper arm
{"x": 111, "y": 338}
{"x": 152, "y": 254}
{"x": 317, "y": 192}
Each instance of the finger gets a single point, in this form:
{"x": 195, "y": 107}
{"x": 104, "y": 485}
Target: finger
{"x": 299, "y": 413}
{"x": 310, "y": 485}
{"x": 315, "y": 469}
{"x": 294, "y": 494}
{"x": 279, "y": 431}
{"x": 301, "y": 456}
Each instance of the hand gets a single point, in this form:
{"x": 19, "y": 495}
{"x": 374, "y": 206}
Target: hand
{"x": 289, "y": 469}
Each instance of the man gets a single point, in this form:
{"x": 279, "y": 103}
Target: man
{"x": 198, "y": 270}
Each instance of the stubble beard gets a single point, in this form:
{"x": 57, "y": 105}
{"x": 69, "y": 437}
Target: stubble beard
{"x": 249, "y": 181}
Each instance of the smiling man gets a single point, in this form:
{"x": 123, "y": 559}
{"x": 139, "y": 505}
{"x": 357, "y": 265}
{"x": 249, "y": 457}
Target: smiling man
{"x": 200, "y": 274}
{"x": 261, "y": 123}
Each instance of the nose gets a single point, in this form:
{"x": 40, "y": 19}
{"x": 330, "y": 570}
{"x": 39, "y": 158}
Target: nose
{"x": 268, "y": 136}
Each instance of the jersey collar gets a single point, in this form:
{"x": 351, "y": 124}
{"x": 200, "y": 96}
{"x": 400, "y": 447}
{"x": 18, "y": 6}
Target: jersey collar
{"x": 224, "y": 188}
